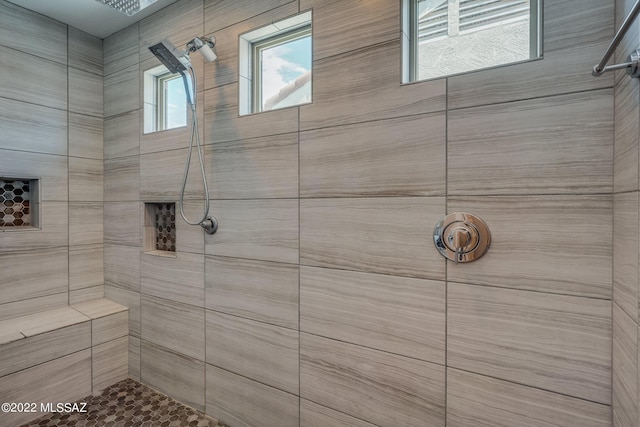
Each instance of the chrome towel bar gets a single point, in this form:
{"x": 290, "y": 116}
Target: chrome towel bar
{"x": 632, "y": 61}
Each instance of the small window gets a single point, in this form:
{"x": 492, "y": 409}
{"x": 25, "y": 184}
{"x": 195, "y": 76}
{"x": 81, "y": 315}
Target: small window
{"x": 446, "y": 37}
{"x": 275, "y": 65}
{"x": 165, "y": 100}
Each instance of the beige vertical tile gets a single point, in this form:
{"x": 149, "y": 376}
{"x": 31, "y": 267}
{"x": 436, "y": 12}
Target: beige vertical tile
{"x": 85, "y": 136}
{"x": 85, "y": 51}
{"x": 369, "y": 159}
{"x": 85, "y": 223}
{"x": 239, "y": 401}
{"x": 122, "y": 179}
{"x": 122, "y": 266}
{"x": 175, "y": 326}
{"x": 256, "y": 350}
{"x": 176, "y": 375}
{"x": 122, "y": 223}
{"x": 121, "y": 91}
{"x": 179, "y": 279}
{"x": 161, "y": 176}
{"x": 110, "y": 327}
{"x": 575, "y": 262}
{"x": 222, "y": 13}
{"x": 129, "y": 299}
{"x": 134, "y": 358}
{"x": 190, "y": 238}
{"x": 109, "y": 363}
{"x": 121, "y": 50}
{"x": 258, "y": 290}
{"x": 33, "y": 305}
{"x": 86, "y": 294}
{"x": 479, "y": 401}
{"x": 378, "y": 235}
{"x": 396, "y": 314}
{"x": 85, "y": 180}
{"x": 314, "y": 415}
{"x": 378, "y": 387}
{"x": 625, "y": 252}
{"x": 85, "y": 93}
{"x": 353, "y": 87}
{"x": 122, "y": 135}
{"x": 51, "y": 169}
{"x": 556, "y": 145}
{"x": 627, "y": 128}
{"x": 255, "y": 229}
{"x": 625, "y": 367}
{"x": 31, "y": 127}
{"x": 86, "y": 266}
{"x": 553, "y": 342}
{"x": 256, "y": 168}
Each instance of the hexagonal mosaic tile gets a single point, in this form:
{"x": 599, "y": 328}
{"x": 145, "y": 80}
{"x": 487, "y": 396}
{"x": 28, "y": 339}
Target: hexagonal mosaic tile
{"x": 165, "y": 225}
{"x": 14, "y": 203}
{"x": 128, "y": 403}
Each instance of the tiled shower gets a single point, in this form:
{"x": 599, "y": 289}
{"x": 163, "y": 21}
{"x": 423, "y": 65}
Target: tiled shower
{"x": 321, "y": 300}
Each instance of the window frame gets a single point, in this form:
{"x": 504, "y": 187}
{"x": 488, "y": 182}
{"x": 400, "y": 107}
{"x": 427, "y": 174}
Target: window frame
{"x": 155, "y": 100}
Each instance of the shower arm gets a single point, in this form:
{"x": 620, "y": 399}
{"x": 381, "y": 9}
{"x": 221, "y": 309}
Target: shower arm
{"x": 633, "y": 60}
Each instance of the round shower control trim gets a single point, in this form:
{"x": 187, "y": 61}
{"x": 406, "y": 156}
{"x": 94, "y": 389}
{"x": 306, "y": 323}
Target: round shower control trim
{"x": 462, "y": 237}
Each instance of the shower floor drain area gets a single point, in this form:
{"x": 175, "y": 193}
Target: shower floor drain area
{"x": 128, "y": 403}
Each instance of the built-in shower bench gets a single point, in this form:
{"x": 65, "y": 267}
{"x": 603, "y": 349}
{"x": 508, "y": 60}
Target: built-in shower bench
{"x": 62, "y": 355}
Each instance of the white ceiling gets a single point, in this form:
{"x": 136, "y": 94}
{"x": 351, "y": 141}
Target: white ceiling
{"x": 90, "y": 16}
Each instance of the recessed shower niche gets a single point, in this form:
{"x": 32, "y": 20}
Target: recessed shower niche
{"x": 19, "y": 203}
{"x": 160, "y": 228}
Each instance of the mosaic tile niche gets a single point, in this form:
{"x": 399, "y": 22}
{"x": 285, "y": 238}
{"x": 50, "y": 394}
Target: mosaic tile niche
{"x": 18, "y": 203}
{"x": 160, "y": 227}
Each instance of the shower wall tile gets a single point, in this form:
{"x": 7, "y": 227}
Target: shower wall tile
{"x": 122, "y": 266}
{"x": 54, "y": 231}
{"x": 314, "y": 415}
{"x": 22, "y": 30}
{"x": 85, "y": 136}
{"x": 553, "y": 342}
{"x": 353, "y": 87}
{"x": 85, "y": 180}
{"x": 575, "y": 262}
{"x": 122, "y": 225}
{"x": 479, "y": 401}
{"x": 179, "y": 279}
{"x": 86, "y": 266}
{"x": 255, "y": 350}
{"x": 41, "y": 81}
{"x": 85, "y": 52}
{"x": 46, "y": 274}
{"x": 219, "y": 14}
{"x": 85, "y": 93}
{"x": 627, "y": 130}
{"x": 175, "y": 326}
{"x": 256, "y": 229}
{"x": 86, "y": 294}
{"x": 258, "y": 290}
{"x": 556, "y": 145}
{"x": 33, "y": 305}
{"x": 121, "y": 50}
{"x": 161, "y": 176}
{"x": 257, "y": 168}
{"x": 109, "y": 363}
{"x": 178, "y": 22}
{"x": 573, "y": 43}
{"x": 236, "y": 400}
{"x": 190, "y": 238}
{"x": 51, "y": 169}
{"x": 36, "y": 128}
{"x": 121, "y": 179}
{"x": 377, "y": 235}
{"x": 369, "y": 159}
{"x": 400, "y": 315}
{"x": 176, "y": 375}
{"x": 222, "y": 122}
{"x": 134, "y": 358}
{"x": 121, "y": 91}
{"x": 358, "y": 381}
{"x": 171, "y": 139}
{"x": 626, "y": 243}
{"x": 67, "y": 378}
{"x": 340, "y": 26}
{"x": 85, "y": 223}
{"x": 129, "y": 299}
{"x": 122, "y": 135}
{"x": 625, "y": 367}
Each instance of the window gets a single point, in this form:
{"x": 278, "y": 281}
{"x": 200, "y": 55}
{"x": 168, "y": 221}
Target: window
{"x": 445, "y": 37}
{"x": 275, "y": 65}
{"x": 165, "y": 100}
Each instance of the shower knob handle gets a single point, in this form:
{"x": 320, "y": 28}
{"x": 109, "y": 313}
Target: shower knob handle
{"x": 459, "y": 237}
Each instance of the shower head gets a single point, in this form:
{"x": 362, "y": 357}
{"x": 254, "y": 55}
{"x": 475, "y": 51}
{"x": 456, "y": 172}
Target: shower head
{"x": 203, "y": 45}
{"x": 128, "y": 7}
{"x": 170, "y": 57}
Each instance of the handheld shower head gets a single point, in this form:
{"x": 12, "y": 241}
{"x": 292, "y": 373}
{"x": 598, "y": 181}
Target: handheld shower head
{"x": 203, "y": 45}
{"x": 167, "y": 53}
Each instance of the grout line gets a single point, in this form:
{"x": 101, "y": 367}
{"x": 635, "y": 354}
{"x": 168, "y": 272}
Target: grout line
{"x": 299, "y": 313}
{"x": 446, "y": 262}
{"x": 69, "y": 198}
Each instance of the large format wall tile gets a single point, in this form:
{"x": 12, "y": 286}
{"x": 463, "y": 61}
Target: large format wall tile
{"x": 179, "y": 279}
{"x": 382, "y": 388}
{"x": 33, "y": 305}
{"x": 626, "y": 243}
{"x": 396, "y": 314}
{"x": 176, "y": 375}
{"x": 627, "y": 128}
{"x": 122, "y": 135}
{"x": 85, "y": 223}
{"x": 384, "y": 158}
{"x": 86, "y": 266}
{"x": 256, "y": 350}
{"x": 51, "y": 169}
{"x": 625, "y": 368}
{"x": 560, "y": 144}
{"x": 122, "y": 223}
{"x": 255, "y": 229}
{"x": 258, "y": 290}
{"x": 85, "y": 180}
{"x": 161, "y": 176}
{"x": 238, "y": 401}
{"x": 175, "y": 326}
{"x": 479, "y": 401}
{"x": 121, "y": 91}
{"x": 53, "y": 232}
{"x": 122, "y": 179}
{"x": 314, "y": 415}
{"x": 222, "y": 13}
{"x": 256, "y": 168}
{"x": 122, "y": 266}
{"x": 129, "y": 299}
{"x": 85, "y": 52}
{"x": 121, "y": 50}
{"x": 379, "y": 235}
{"x": 85, "y": 93}
{"x": 354, "y": 87}
{"x": 109, "y": 363}
{"x": 569, "y": 235}
{"x": 86, "y": 136}
{"x": 554, "y": 342}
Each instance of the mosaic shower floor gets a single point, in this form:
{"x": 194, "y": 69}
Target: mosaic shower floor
{"x": 128, "y": 404}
